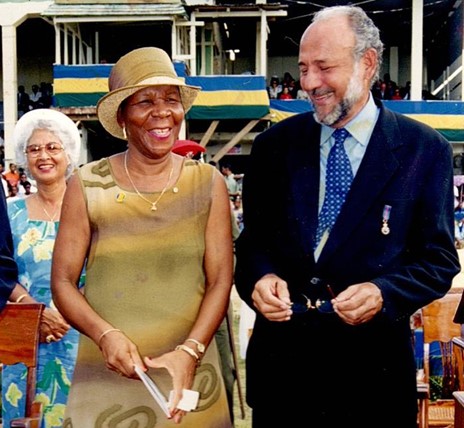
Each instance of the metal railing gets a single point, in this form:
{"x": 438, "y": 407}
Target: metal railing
{"x": 449, "y": 85}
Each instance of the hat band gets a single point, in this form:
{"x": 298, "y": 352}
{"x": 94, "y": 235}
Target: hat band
{"x": 161, "y": 80}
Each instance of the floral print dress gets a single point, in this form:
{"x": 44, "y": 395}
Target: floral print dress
{"x": 33, "y": 242}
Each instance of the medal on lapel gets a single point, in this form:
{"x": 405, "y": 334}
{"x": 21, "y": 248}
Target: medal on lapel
{"x": 385, "y": 217}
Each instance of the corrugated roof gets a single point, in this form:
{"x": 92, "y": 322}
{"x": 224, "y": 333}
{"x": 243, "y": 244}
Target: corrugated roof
{"x": 106, "y": 10}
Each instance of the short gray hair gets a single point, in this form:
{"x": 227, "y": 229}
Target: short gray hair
{"x": 57, "y": 123}
{"x": 367, "y": 35}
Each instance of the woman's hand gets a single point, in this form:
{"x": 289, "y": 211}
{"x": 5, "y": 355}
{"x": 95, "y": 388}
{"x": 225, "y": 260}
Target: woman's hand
{"x": 120, "y": 354}
{"x": 52, "y": 326}
{"x": 181, "y": 366}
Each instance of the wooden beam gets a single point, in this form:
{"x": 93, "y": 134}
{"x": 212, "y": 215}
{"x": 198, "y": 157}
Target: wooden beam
{"x": 247, "y": 128}
{"x": 209, "y": 132}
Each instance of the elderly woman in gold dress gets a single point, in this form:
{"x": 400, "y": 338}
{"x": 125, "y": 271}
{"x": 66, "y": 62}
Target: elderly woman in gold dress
{"x": 153, "y": 230}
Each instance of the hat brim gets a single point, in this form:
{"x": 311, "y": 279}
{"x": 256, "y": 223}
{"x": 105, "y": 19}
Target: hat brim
{"x": 108, "y": 105}
{"x": 183, "y": 147}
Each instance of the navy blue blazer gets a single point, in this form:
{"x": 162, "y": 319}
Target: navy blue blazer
{"x": 8, "y": 268}
{"x": 407, "y": 166}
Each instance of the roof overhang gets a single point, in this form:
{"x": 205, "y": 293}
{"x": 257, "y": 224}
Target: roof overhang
{"x": 114, "y": 12}
{"x": 240, "y": 11}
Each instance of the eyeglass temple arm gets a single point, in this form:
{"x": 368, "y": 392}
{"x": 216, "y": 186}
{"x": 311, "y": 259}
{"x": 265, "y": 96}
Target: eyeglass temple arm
{"x": 331, "y": 291}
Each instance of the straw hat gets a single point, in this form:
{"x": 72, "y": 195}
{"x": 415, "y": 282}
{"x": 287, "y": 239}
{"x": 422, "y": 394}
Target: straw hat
{"x": 140, "y": 68}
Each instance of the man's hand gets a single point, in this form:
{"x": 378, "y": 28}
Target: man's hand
{"x": 272, "y": 299}
{"x": 358, "y": 303}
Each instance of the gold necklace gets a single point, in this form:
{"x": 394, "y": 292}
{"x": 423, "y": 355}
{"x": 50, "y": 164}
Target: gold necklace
{"x": 153, "y": 204}
{"x": 51, "y": 217}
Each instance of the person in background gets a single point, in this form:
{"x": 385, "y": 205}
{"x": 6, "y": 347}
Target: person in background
{"x": 231, "y": 182}
{"x": 285, "y": 94}
{"x": 274, "y": 88}
{"x": 23, "y": 101}
{"x": 5, "y": 186}
{"x": 238, "y": 211}
{"x": 396, "y": 95}
{"x": 300, "y": 93}
{"x": 360, "y": 237}
{"x": 12, "y": 175}
{"x": 12, "y": 192}
{"x": 24, "y": 183}
{"x": 34, "y": 97}
{"x": 153, "y": 230}
{"x": 8, "y": 267}
{"x": 47, "y": 142}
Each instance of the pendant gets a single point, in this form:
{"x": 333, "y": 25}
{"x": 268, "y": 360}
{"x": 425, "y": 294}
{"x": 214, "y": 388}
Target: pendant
{"x": 175, "y": 190}
{"x": 385, "y": 229}
{"x": 153, "y": 206}
{"x": 385, "y": 217}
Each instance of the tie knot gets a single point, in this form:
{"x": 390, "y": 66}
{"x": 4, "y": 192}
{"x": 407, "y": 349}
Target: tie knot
{"x": 340, "y": 135}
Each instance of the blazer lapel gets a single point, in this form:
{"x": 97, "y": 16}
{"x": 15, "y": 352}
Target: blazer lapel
{"x": 378, "y": 165}
{"x": 303, "y": 168}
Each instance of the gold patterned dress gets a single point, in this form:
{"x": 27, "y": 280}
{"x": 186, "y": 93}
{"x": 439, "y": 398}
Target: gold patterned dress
{"x": 145, "y": 276}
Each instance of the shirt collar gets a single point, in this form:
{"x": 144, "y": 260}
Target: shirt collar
{"x": 360, "y": 127}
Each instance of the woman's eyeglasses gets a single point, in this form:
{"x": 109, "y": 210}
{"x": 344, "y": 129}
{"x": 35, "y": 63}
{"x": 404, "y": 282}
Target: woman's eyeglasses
{"x": 302, "y": 304}
{"x": 52, "y": 149}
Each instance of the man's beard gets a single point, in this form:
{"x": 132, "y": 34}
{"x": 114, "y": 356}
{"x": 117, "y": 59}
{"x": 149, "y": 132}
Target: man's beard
{"x": 353, "y": 94}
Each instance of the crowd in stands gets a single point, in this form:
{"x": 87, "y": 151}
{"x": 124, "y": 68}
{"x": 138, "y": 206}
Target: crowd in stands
{"x": 41, "y": 96}
{"x": 387, "y": 89}
{"x": 288, "y": 88}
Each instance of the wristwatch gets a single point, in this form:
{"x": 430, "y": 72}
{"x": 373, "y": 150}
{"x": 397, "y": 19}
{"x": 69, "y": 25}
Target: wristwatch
{"x": 200, "y": 347}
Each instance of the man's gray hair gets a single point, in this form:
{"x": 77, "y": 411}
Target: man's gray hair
{"x": 366, "y": 33}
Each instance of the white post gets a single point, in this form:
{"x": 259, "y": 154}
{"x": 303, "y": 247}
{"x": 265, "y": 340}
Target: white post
{"x": 174, "y": 39}
{"x": 417, "y": 49}
{"x": 74, "y": 44}
{"x": 261, "y": 45}
{"x": 57, "y": 43}
{"x": 10, "y": 87}
{"x": 462, "y": 75}
{"x": 66, "y": 44}
{"x": 193, "y": 45}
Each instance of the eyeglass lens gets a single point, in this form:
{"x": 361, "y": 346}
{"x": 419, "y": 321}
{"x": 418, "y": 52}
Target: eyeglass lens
{"x": 302, "y": 304}
{"x": 51, "y": 148}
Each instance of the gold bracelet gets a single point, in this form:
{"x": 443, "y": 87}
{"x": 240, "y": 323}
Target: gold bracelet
{"x": 110, "y": 330}
{"x": 200, "y": 346}
{"x": 18, "y": 300}
{"x": 189, "y": 351}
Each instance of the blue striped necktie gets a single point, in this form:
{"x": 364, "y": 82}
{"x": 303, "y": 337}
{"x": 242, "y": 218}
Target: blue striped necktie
{"x": 339, "y": 176}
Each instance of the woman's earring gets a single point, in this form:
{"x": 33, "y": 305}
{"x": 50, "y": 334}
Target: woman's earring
{"x": 124, "y": 133}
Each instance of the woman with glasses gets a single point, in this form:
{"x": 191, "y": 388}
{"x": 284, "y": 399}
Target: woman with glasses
{"x": 47, "y": 144}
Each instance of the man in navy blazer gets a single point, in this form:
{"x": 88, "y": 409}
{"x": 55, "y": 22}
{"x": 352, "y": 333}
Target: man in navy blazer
{"x": 8, "y": 268}
{"x": 332, "y": 344}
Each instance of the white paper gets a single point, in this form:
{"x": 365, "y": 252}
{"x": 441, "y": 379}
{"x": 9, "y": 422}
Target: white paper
{"x": 189, "y": 400}
{"x": 154, "y": 390}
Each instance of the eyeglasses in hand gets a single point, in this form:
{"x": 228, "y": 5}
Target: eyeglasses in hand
{"x": 302, "y": 304}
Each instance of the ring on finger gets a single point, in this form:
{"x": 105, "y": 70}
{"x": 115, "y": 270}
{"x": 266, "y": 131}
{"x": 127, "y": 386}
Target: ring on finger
{"x": 50, "y": 338}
